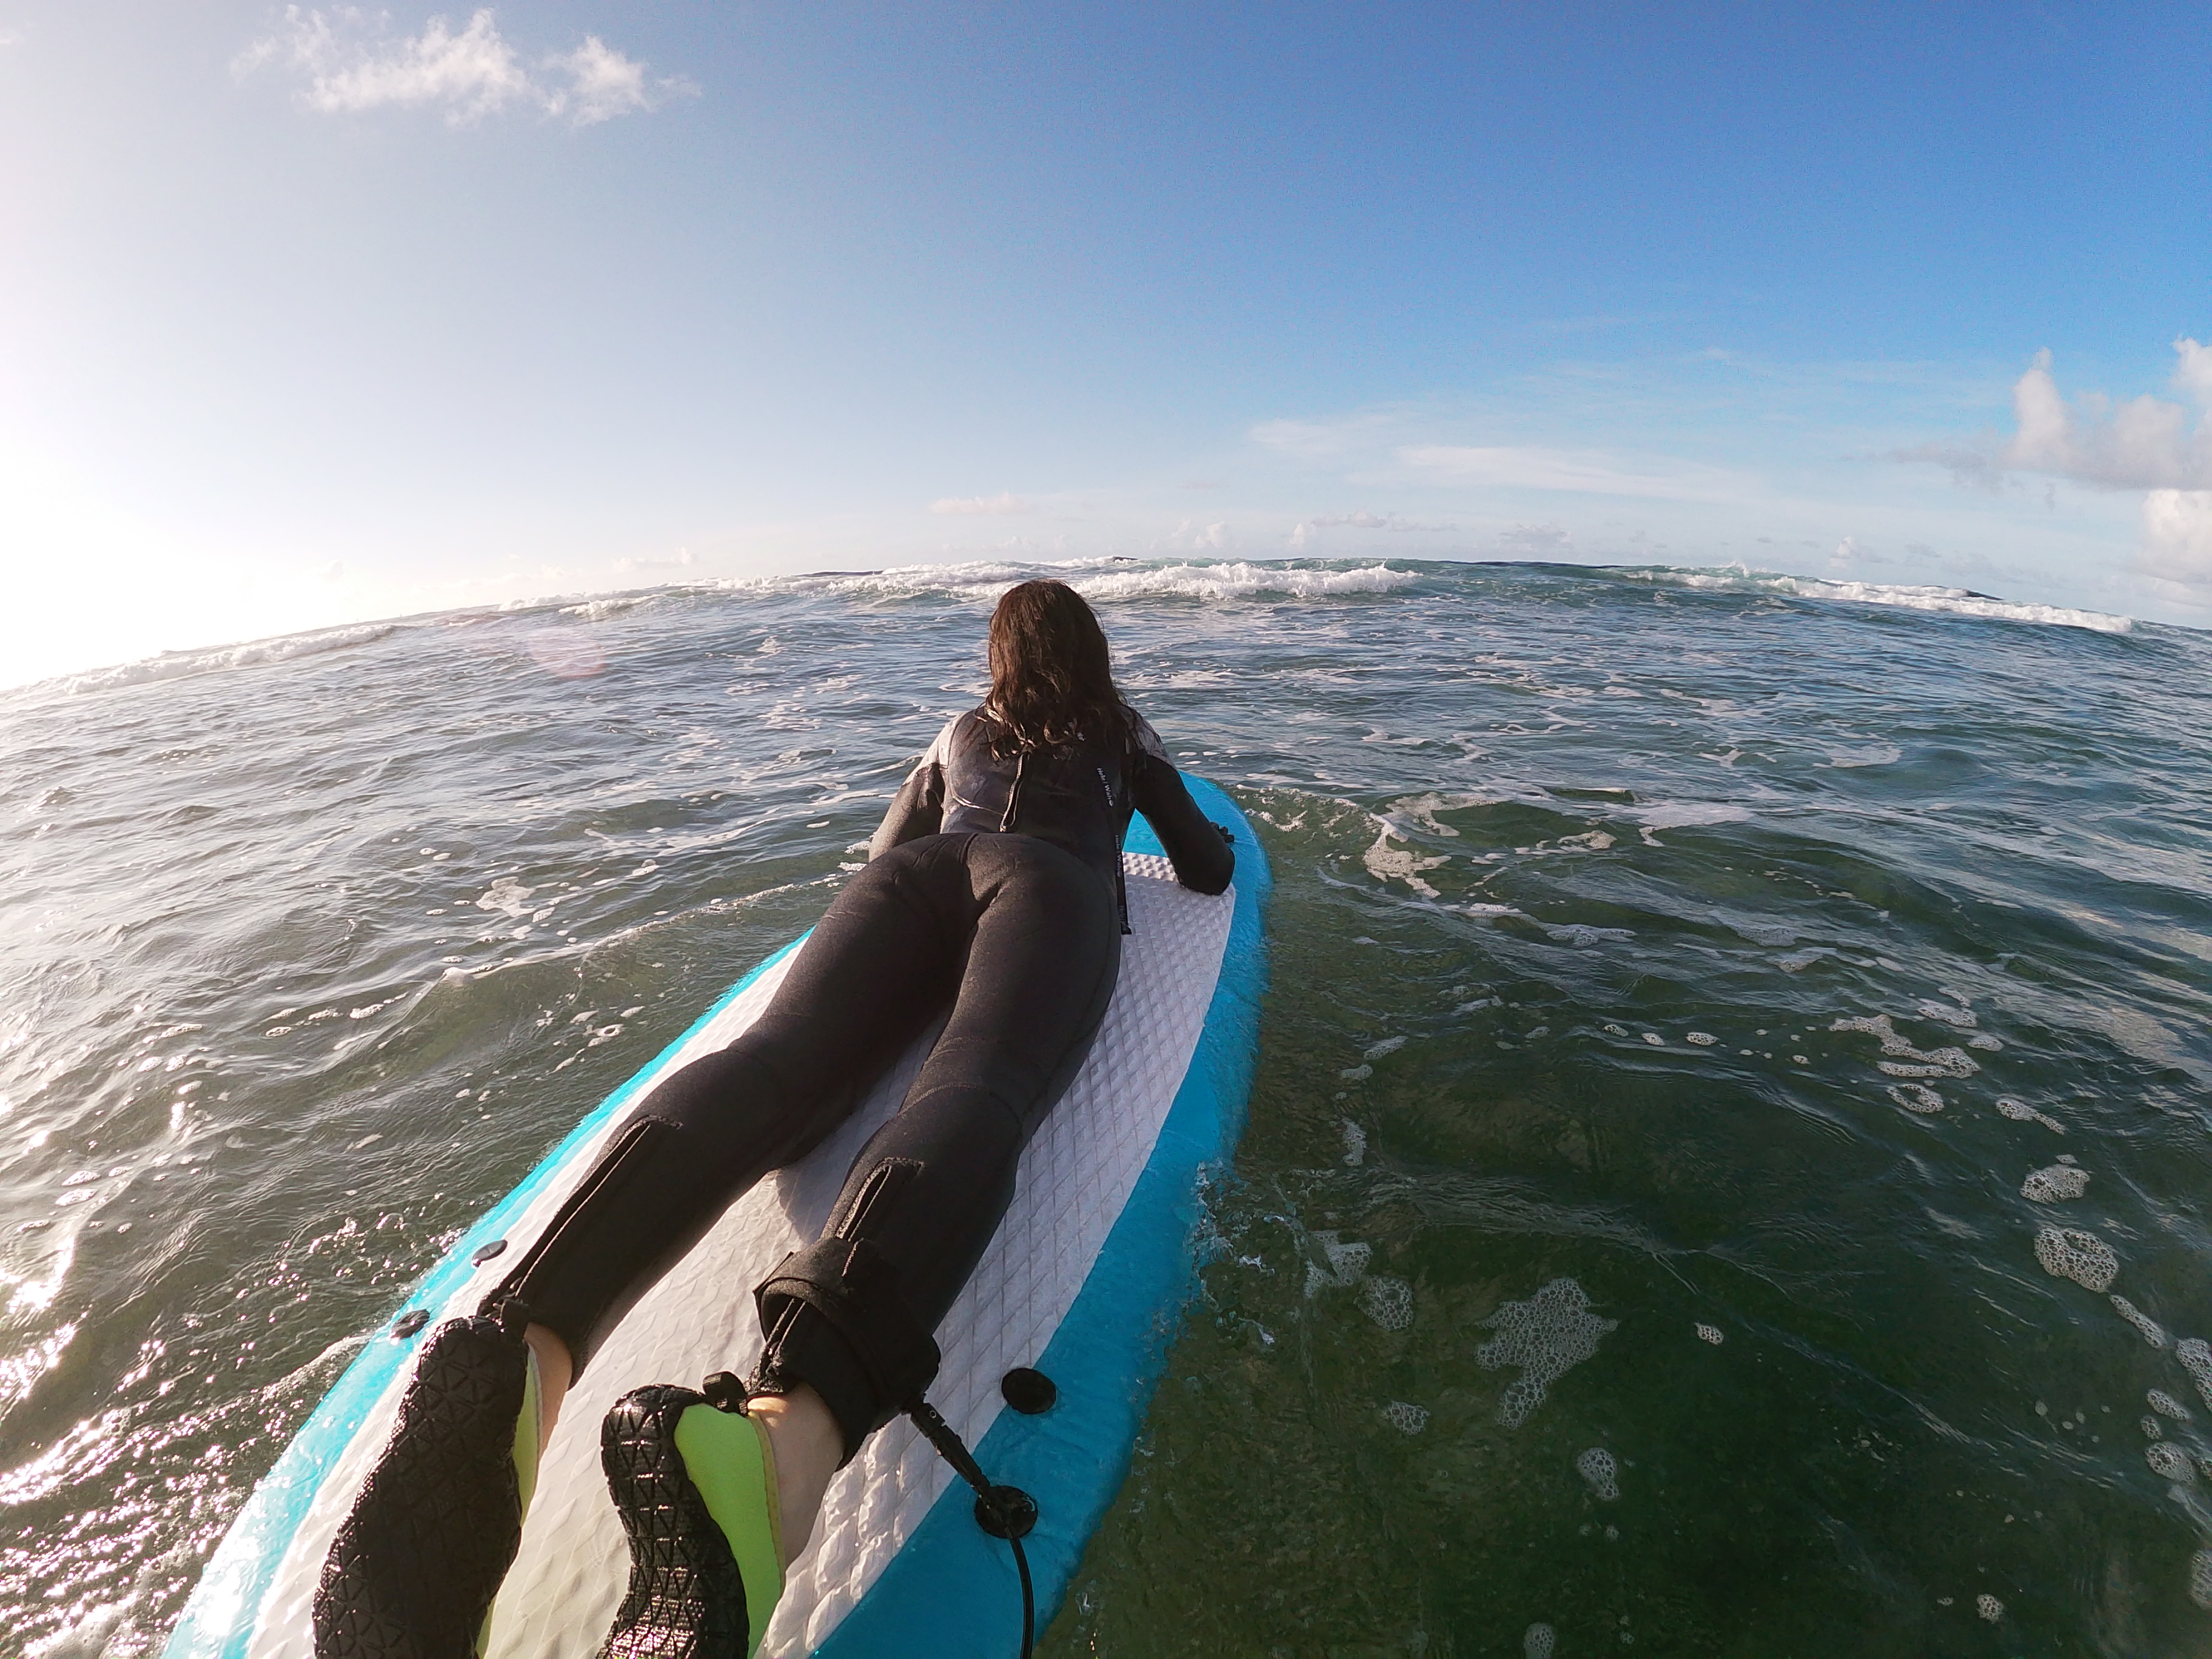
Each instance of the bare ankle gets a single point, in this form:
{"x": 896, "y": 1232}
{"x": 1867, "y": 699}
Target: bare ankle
{"x": 808, "y": 1444}
{"x": 556, "y": 1370}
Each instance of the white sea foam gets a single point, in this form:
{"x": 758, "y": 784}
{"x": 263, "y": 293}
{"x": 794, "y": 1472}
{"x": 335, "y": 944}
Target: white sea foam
{"x": 1243, "y": 580}
{"x": 2070, "y": 1253}
{"x": 1711, "y": 1333}
{"x": 1876, "y": 754}
{"x": 1423, "y": 809}
{"x": 981, "y": 580}
{"x": 507, "y": 896}
{"x": 2151, "y": 1330}
{"x": 1905, "y": 1061}
{"x": 1916, "y": 1098}
{"x": 1405, "y": 1418}
{"x": 1598, "y": 1466}
{"x": 1387, "y": 862}
{"x": 1546, "y": 1336}
{"x": 2195, "y": 1359}
{"x": 1687, "y": 814}
{"x": 1582, "y": 936}
{"x": 1537, "y": 1642}
{"x": 1947, "y": 601}
{"x": 1099, "y": 579}
{"x": 2054, "y": 1185}
{"x": 1389, "y": 1302}
{"x": 1989, "y": 1608}
{"x": 2170, "y": 1462}
{"x": 178, "y": 665}
{"x": 1347, "y": 1263}
{"x": 2200, "y": 1579}
{"x": 2021, "y": 1112}
{"x": 600, "y": 610}
{"x": 2165, "y": 1405}
{"x": 1945, "y": 1013}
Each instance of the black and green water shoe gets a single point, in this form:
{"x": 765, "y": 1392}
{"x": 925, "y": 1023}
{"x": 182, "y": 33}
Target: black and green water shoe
{"x": 696, "y": 1487}
{"x": 414, "y": 1569}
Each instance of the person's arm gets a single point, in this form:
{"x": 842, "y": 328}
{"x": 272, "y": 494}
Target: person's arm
{"x": 1200, "y": 850}
{"x": 918, "y": 809}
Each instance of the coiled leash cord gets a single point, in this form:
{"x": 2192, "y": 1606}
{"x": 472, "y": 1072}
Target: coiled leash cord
{"x": 1006, "y": 1512}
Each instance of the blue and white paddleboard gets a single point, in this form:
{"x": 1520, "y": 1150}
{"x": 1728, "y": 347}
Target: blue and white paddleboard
{"x": 1083, "y": 1282}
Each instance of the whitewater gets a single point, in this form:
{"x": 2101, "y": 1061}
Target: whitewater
{"x": 1726, "y": 1171}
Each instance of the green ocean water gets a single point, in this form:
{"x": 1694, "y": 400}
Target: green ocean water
{"x": 1583, "y": 1280}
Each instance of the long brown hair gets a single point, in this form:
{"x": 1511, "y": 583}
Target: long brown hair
{"x": 1051, "y": 683}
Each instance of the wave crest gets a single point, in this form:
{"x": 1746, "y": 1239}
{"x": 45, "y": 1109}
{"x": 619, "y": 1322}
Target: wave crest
{"x": 179, "y": 665}
{"x": 1948, "y": 601}
{"x": 1103, "y": 579}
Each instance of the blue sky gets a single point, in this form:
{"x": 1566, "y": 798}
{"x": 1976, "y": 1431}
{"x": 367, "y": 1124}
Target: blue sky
{"x": 312, "y": 314}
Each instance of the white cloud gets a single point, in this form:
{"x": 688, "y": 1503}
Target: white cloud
{"x": 1376, "y": 442}
{"x": 603, "y": 84}
{"x": 1003, "y": 502}
{"x": 1364, "y": 519}
{"x": 682, "y": 561}
{"x": 1319, "y": 441}
{"x": 1574, "y": 471}
{"x": 1190, "y": 536}
{"x": 2193, "y": 374}
{"x": 352, "y": 62}
{"x": 2144, "y": 443}
{"x": 2177, "y": 527}
{"x": 1537, "y": 538}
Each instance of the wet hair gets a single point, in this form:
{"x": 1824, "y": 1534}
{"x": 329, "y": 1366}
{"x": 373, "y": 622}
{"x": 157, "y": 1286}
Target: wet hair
{"x": 1051, "y": 683}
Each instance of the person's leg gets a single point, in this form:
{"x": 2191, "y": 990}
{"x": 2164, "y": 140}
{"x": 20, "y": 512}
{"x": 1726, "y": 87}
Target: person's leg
{"x": 927, "y": 1191}
{"x": 882, "y": 963}
{"x": 416, "y": 1567}
{"x": 847, "y": 1320}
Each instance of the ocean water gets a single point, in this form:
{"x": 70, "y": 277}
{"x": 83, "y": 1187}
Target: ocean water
{"x": 1726, "y": 1172}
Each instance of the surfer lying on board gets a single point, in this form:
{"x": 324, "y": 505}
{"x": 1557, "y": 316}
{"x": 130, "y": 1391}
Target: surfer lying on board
{"x": 992, "y": 895}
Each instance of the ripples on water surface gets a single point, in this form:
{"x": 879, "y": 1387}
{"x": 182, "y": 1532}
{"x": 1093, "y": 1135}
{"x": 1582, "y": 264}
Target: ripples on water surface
{"x": 1696, "y": 1008}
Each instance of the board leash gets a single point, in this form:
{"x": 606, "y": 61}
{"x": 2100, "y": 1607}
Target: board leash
{"x": 1006, "y": 1512}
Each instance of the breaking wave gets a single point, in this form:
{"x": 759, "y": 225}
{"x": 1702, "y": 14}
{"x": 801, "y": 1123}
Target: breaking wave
{"x": 1948, "y": 601}
{"x": 1099, "y": 578}
{"x": 179, "y": 665}
{"x": 1104, "y": 580}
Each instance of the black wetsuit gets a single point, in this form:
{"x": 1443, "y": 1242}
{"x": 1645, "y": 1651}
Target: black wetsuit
{"x": 991, "y": 899}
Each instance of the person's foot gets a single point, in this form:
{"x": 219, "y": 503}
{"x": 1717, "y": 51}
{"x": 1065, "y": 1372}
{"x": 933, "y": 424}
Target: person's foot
{"x": 416, "y": 1567}
{"x": 695, "y": 1487}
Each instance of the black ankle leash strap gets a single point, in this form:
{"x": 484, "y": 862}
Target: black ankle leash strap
{"x": 1006, "y": 1512}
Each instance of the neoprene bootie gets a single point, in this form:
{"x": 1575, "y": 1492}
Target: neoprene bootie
{"x": 696, "y": 1488}
{"x": 413, "y": 1572}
